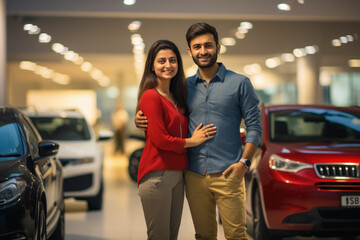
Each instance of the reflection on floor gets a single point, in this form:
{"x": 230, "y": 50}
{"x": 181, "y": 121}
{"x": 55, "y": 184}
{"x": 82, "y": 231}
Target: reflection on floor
{"x": 121, "y": 217}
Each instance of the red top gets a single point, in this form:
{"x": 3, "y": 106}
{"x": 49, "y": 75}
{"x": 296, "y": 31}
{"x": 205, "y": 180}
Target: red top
{"x": 167, "y": 128}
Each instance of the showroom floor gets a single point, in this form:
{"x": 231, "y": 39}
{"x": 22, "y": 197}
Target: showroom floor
{"x": 121, "y": 217}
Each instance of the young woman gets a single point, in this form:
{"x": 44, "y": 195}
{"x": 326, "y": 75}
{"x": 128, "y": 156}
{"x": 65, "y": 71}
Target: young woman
{"x": 162, "y": 98}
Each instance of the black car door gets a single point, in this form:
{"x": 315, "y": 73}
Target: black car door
{"x": 45, "y": 165}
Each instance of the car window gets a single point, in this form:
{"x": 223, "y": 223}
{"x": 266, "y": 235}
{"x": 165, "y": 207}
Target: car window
{"x": 10, "y": 140}
{"x": 32, "y": 138}
{"x": 58, "y": 128}
{"x": 314, "y": 125}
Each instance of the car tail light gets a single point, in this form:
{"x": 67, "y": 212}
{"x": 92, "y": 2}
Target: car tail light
{"x": 286, "y": 165}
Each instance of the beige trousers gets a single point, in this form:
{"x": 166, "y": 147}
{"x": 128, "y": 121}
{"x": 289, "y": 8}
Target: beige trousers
{"x": 162, "y": 198}
{"x": 228, "y": 193}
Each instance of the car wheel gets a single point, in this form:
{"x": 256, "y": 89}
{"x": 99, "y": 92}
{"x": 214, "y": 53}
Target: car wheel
{"x": 261, "y": 232}
{"x": 59, "y": 233}
{"x": 41, "y": 224}
{"x": 95, "y": 203}
{"x": 134, "y": 161}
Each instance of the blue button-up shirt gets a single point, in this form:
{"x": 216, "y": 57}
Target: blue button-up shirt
{"x": 227, "y": 99}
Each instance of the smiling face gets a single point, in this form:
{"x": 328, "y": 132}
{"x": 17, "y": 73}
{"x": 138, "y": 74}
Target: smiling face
{"x": 165, "y": 65}
{"x": 203, "y": 50}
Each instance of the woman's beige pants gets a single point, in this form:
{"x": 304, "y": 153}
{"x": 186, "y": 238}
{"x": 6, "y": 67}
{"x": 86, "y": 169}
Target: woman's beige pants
{"x": 162, "y": 198}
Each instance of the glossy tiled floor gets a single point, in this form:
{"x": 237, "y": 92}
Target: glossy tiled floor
{"x": 121, "y": 217}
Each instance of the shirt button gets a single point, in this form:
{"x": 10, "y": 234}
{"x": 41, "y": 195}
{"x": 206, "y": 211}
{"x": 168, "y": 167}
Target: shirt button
{"x": 206, "y": 112}
{"x": 207, "y": 98}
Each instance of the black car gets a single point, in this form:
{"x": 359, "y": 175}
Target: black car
{"x": 31, "y": 182}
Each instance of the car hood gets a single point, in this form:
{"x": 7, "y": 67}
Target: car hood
{"x": 11, "y": 169}
{"x": 318, "y": 152}
{"x": 70, "y": 149}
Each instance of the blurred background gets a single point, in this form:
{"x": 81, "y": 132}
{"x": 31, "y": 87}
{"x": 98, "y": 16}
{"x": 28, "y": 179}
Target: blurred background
{"x": 89, "y": 55}
{"x": 294, "y": 51}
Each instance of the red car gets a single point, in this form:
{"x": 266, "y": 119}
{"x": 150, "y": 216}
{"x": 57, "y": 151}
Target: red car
{"x": 305, "y": 177}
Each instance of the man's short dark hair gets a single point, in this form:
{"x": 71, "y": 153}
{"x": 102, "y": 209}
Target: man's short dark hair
{"x": 200, "y": 29}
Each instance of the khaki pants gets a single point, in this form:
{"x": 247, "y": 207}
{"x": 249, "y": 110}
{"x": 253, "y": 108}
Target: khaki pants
{"x": 228, "y": 193}
{"x": 162, "y": 198}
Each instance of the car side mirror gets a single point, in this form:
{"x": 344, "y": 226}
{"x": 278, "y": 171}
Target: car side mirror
{"x": 105, "y": 135}
{"x": 48, "y": 148}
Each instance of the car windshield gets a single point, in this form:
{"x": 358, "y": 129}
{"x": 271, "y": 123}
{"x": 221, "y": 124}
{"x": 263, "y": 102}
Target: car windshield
{"x": 10, "y": 140}
{"x": 58, "y": 128}
{"x": 314, "y": 125}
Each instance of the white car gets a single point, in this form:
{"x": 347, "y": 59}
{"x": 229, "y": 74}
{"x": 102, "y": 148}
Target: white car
{"x": 80, "y": 153}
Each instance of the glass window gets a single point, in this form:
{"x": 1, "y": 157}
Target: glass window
{"x": 314, "y": 125}
{"x": 58, "y": 128}
{"x": 10, "y": 140}
{"x": 33, "y": 140}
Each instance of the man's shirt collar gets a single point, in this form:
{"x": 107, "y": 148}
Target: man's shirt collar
{"x": 220, "y": 74}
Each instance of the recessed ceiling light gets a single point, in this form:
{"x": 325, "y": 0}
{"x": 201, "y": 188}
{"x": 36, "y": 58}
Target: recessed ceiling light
{"x": 129, "y": 2}
{"x": 284, "y": 7}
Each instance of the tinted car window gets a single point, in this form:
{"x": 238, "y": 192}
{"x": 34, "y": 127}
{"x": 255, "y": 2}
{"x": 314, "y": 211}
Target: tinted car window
{"x": 58, "y": 128}
{"x": 10, "y": 140}
{"x": 314, "y": 125}
{"x": 32, "y": 138}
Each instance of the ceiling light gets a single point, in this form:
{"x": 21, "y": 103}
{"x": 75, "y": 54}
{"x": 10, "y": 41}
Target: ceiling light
{"x": 343, "y": 39}
{"x": 354, "y": 62}
{"x": 301, "y": 1}
{"x": 27, "y": 26}
{"x": 86, "y": 66}
{"x": 57, "y": 47}
{"x": 239, "y": 35}
{"x": 272, "y": 62}
{"x": 44, "y": 38}
{"x": 242, "y": 30}
{"x": 336, "y": 42}
{"x": 350, "y": 38}
{"x": 134, "y": 26}
{"x": 299, "y": 52}
{"x": 34, "y": 30}
{"x": 310, "y": 49}
{"x": 228, "y": 41}
{"x": 246, "y": 25}
{"x": 251, "y": 69}
{"x": 129, "y": 2}
{"x": 27, "y": 65}
{"x": 284, "y": 7}
{"x": 287, "y": 57}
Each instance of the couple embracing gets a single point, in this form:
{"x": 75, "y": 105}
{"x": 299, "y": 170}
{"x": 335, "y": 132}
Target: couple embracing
{"x": 192, "y": 137}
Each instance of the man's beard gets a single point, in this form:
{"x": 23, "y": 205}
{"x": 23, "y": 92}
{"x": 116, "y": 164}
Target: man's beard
{"x": 213, "y": 60}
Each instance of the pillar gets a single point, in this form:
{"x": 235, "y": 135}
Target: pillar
{"x": 2, "y": 53}
{"x": 308, "y": 84}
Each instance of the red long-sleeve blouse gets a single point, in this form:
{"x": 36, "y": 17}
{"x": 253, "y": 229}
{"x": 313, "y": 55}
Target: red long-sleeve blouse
{"x": 167, "y": 128}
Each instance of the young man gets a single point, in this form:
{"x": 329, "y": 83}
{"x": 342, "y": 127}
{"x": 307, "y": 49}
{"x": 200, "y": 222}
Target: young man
{"x": 217, "y": 167}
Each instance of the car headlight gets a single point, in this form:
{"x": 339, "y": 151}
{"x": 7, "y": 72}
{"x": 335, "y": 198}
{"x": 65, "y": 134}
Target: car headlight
{"x": 11, "y": 190}
{"x": 286, "y": 165}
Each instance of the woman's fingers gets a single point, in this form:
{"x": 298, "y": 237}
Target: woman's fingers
{"x": 198, "y": 127}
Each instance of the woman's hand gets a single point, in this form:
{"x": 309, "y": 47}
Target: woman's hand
{"x": 200, "y": 135}
{"x": 141, "y": 121}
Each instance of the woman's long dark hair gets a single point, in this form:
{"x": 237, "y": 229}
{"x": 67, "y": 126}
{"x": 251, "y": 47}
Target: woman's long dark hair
{"x": 178, "y": 87}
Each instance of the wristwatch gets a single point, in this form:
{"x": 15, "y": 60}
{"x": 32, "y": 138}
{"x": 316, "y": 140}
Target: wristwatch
{"x": 246, "y": 162}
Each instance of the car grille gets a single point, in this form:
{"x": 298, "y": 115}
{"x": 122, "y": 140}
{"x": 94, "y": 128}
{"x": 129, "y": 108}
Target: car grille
{"x": 345, "y": 186}
{"x": 338, "y": 171}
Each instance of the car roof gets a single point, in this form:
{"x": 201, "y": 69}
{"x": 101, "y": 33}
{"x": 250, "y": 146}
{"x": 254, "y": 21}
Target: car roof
{"x": 9, "y": 113}
{"x": 279, "y": 107}
{"x": 53, "y": 113}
